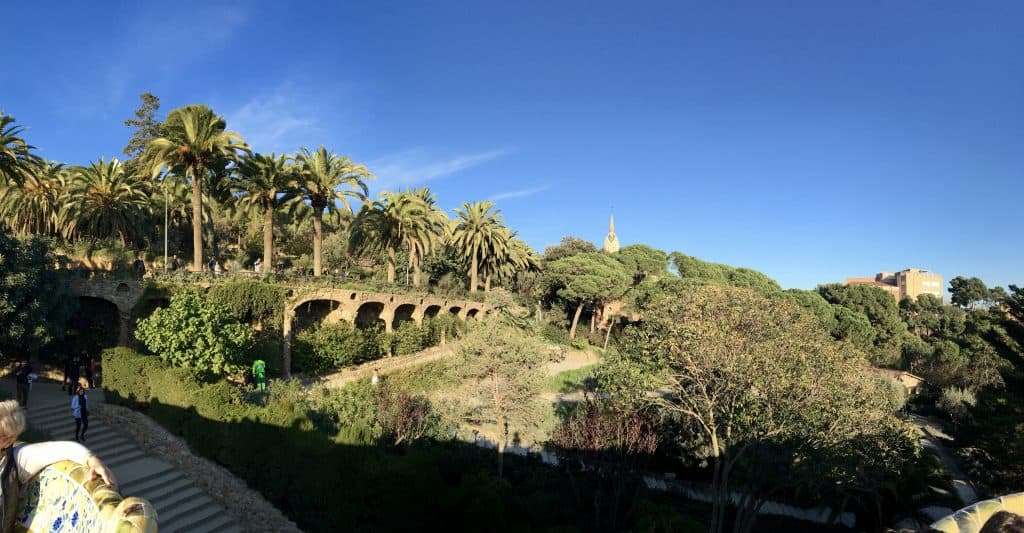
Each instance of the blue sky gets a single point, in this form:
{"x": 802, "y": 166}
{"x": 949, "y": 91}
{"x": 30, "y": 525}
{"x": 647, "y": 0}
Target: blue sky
{"x": 809, "y": 140}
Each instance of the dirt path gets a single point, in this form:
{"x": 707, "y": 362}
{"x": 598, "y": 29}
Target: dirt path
{"x": 934, "y": 437}
{"x": 385, "y": 366}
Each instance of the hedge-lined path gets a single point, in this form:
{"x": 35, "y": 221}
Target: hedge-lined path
{"x": 180, "y": 505}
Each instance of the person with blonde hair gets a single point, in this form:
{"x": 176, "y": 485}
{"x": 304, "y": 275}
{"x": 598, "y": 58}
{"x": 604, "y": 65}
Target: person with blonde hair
{"x": 20, "y": 462}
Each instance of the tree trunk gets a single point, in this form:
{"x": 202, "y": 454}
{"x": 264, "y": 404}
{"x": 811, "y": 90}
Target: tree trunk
{"x": 575, "y": 320}
{"x": 502, "y": 441}
{"x": 607, "y": 335}
{"x": 391, "y": 265}
{"x": 197, "y": 222}
{"x": 593, "y": 321}
{"x": 472, "y": 274}
{"x": 487, "y": 282}
{"x": 416, "y": 274}
{"x": 268, "y": 241}
{"x": 318, "y": 229}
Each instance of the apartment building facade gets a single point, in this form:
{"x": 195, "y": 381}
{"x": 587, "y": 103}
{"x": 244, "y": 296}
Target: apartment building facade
{"x": 909, "y": 283}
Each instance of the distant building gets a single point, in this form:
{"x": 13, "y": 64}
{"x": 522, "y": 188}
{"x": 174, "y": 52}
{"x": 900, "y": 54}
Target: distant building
{"x": 611, "y": 242}
{"x": 909, "y": 283}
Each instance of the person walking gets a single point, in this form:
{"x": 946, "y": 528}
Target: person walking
{"x": 76, "y": 373}
{"x": 139, "y": 267}
{"x": 22, "y": 378}
{"x": 375, "y": 379}
{"x": 69, "y": 361}
{"x": 80, "y": 411}
{"x": 259, "y": 374}
{"x": 87, "y": 363}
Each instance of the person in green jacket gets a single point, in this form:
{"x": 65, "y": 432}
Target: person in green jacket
{"x": 259, "y": 374}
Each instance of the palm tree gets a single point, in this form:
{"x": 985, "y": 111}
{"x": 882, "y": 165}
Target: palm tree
{"x": 383, "y": 226}
{"x": 265, "y": 184}
{"x": 518, "y": 258}
{"x": 427, "y": 234}
{"x": 16, "y": 158}
{"x": 496, "y": 256}
{"x": 324, "y": 180}
{"x": 477, "y": 230}
{"x": 104, "y": 201}
{"x": 195, "y": 146}
{"x": 33, "y": 207}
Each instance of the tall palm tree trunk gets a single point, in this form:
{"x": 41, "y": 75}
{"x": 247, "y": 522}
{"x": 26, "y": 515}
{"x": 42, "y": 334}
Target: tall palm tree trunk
{"x": 416, "y": 274}
{"x": 391, "y": 265}
{"x": 318, "y": 229}
{"x": 268, "y": 240}
{"x": 197, "y": 222}
{"x": 487, "y": 282}
{"x": 472, "y": 274}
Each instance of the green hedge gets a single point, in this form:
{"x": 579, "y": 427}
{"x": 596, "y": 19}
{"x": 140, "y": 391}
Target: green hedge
{"x": 341, "y": 483}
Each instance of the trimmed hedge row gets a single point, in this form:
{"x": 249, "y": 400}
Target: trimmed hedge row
{"x": 331, "y": 484}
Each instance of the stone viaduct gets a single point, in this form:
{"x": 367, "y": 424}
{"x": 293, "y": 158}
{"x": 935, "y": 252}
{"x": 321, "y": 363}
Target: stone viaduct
{"x": 359, "y": 307}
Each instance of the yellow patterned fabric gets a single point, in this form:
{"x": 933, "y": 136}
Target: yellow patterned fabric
{"x": 63, "y": 498}
{"x": 970, "y": 519}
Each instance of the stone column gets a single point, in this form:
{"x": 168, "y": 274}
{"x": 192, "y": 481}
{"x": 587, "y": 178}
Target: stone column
{"x": 286, "y": 343}
{"x": 124, "y": 332}
{"x": 388, "y": 316}
{"x": 417, "y": 314}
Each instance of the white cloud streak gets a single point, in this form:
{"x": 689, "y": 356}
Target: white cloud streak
{"x": 416, "y": 167}
{"x": 521, "y": 193}
{"x": 279, "y": 120}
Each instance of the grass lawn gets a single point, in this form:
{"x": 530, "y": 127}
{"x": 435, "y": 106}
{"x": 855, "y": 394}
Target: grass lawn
{"x": 570, "y": 380}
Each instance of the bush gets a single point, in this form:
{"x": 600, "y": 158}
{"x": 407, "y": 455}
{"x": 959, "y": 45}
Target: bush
{"x": 197, "y": 333}
{"x": 410, "y": 338}
{"x": 328, "y": 347}
{"x": 251, "y": 301}
{"x": 956, "y": 402}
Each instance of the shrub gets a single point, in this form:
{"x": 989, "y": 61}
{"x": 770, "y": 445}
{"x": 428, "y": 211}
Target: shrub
{"x": 197, "y": 333}
{"x": 410, "y": 338}
{"x": 251, "y": 301}
{"x": 327, "y": 347}
{"x": 956, "y": 402}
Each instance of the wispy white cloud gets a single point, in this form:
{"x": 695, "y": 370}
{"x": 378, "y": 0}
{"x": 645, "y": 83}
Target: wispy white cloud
{"x": 417, "y": 166}
{"x": 521, "y": 193}
{"x": 281, "y": 119}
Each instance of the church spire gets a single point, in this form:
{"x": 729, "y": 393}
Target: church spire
{"x": 611, "y": 242}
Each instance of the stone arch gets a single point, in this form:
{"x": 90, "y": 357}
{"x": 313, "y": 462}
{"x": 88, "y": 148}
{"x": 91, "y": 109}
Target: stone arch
{"x": 97, "y": 324}
{"x": 472, "y": 313}
{"x": 455, "y": 310}
{"x": 315, "y": 311}
{"x": 370, "y": 314}
{"x": 431, "y": 311}
{"x": 403, "y": 313}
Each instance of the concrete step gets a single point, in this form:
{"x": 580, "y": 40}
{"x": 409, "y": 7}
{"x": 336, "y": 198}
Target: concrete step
{"x": 125, "y": 458}
{"x": 168, "y": 500}
{"x": 212, "y": 519}
{"x": 154, "y": 477}
{"x": 162, "y": 489}
{"x": 186, "y": 514}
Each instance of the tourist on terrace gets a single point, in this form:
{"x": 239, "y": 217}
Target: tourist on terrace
{"x": 80, "y": 412}
{"x": 23, "y": 378}
{"x": 139, "y": 267}
{"x": 20, "y": 462}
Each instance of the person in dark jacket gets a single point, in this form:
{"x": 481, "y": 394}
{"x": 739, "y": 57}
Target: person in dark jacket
{"x": 21, "y": 375}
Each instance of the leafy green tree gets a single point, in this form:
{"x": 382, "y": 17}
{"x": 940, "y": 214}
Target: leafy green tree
{"x": 968, "y": 293}
{"x": 569, "y": 245}
{"x": 881, "y": 310}
{"x": 507, "y": 369}
{"x": 478, "y": 232}
{"x": 718, "y": 274}
{"x": 587, "y": 278}
{"x": 264, "y": 184}
{"x": 33, "y": 207}
{"x": 643, "y": 261}
{"x": 16, "y": 158}
{"x": 104, "y": 201}
{"x": 35, "y": 304}
{"x": 813, "y": 302}
{"x": 197, "y": 333}
{"x": 427, "y": 235}
{"x": 326, "y": 180}
{"x": 145, "y": 125}
{"x": 194, "y": 144}
{"x": 759, "y": 388}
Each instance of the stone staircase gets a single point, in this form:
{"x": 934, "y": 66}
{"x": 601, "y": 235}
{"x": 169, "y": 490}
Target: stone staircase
{"x": 181, "y": 506}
